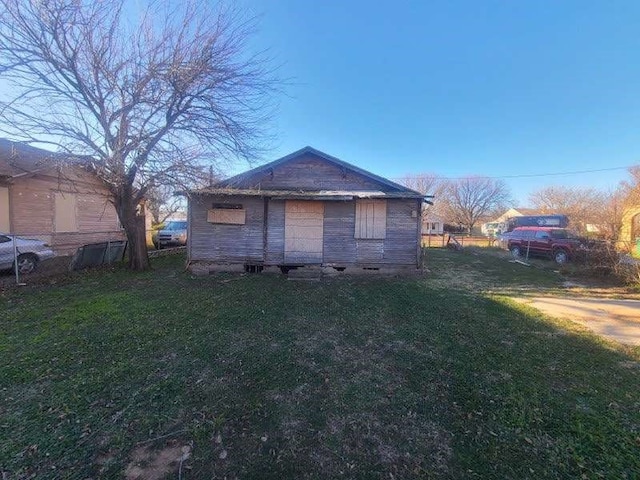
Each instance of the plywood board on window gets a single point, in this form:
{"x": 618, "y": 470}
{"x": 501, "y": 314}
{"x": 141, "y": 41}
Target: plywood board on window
{"x": 227, "y": 215}
{"x": 65, "y": 212}
{"x": 371, "y": 219}
{"x": 4, "y": 209}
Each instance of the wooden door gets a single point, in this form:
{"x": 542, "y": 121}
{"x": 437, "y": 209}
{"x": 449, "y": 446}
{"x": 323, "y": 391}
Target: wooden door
{"x": 303, "y": 229}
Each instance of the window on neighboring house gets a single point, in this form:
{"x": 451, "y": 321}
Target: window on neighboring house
{"x": 66, "y": 219}
{"x": 4, "y": 209}
{"x": 434, "y": 226}
{"x": 371, "y": 219}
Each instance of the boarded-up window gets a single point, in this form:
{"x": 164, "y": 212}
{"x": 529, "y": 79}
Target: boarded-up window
{"x": 4, "y": 209}
{"x": 227, "y": 215}
{"x": 371, "y": 219}
{"x": 65, "y": 212}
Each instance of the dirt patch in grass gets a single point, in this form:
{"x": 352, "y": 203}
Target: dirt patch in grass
{"x": 155, "y": 464}
{"x": 48, "y": 272}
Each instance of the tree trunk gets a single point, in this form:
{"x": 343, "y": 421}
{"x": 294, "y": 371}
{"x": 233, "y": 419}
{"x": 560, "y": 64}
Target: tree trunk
{"x": 133, "y": 220}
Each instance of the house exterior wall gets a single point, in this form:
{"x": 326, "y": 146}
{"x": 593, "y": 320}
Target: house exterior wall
{"x": 628, "y": 235}
{"x": 226, "y": 243}
{"x": 264, "y": 243}
{"x": 32, "y": 210}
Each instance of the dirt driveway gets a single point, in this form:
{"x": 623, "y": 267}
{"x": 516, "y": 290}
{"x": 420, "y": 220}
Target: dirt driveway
{"x": 612, "y": 318}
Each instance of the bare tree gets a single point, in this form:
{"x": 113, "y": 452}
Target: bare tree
{"x": 429, "y": 185}
{"x": 162, "y": 203}
{"x": 467, "y": 200}
{"x": 583, "y": 206}
{"x": 629, "y": 190}
{"x": 151, "y": 95}
{"x": 425, "y": 183}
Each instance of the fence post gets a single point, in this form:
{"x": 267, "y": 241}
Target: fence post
{"x": 15, "y": 259}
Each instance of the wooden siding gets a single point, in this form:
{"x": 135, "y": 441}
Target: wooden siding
{"x": 402, "y": 242}
{"x": 310, "y": 172}
{"x": 303, "y": 221}
{"x": 398, "y": 248}
{"x": 275, "y": 233}
{"x": 339, "y": 228}
{"x": 226, "y": 243}
{"x": 32, "y": 210}
{"x": 370, "y": 251}
{"x": 245, "y": 243}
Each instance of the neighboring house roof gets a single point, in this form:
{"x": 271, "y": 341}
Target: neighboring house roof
{"x": 529, "y": 211}
{"x": 517, "y": 212}
{"x": 236, "y": 185}
{"x": 18, "y": 159}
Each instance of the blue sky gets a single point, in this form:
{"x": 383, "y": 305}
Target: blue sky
{"x": 459, "y": 88}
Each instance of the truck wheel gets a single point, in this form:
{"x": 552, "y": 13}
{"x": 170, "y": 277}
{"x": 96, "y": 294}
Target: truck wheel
{"x": 515, "y": 251}
{"x": 560, "y": 257}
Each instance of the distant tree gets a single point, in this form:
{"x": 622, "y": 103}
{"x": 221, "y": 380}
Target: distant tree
{"x": 162, "y": 203}
{"x": 153, "y": 93}
{"x": 425, "y": 183}
{"x": 583, "y": 206}
{"x": 609, "y": 216}
{"x": 467, "y": 200}
{"x": 629, "y": 190}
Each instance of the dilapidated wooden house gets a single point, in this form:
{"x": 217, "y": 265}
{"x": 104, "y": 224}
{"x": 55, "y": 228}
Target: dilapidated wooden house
{"x": 54, "y": 198}
{"x": 307, "y": 208}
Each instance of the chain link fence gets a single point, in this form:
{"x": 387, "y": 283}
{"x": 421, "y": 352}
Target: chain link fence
{"x": 33, "y": 257}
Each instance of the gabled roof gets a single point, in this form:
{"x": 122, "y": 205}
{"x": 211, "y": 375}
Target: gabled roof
{"x": 18, "y": 159}
{"x": 233, "y": 182}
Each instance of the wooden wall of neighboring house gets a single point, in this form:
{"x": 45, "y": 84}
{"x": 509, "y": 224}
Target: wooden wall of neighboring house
{"x": 33, "y": 210}
{"x": 311, "y": 173}
{"x": 245, "y": 243}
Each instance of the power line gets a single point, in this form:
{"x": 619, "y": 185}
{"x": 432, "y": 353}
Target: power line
{"x": 523, "y": 175}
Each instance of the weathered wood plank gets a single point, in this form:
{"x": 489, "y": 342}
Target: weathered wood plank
{"x": 310, "y": 172}
{"x": 227, "y": 242}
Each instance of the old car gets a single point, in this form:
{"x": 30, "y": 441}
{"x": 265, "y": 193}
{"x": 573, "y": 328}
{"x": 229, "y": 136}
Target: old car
{"x": 31, "y": 251}
{"x": 555, "y": 243}
{"x": 174, "y": 233}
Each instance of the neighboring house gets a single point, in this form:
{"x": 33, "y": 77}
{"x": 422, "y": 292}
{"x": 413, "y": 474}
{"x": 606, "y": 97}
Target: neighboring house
{"x": 629, "y": 238}
{"x": 53, "y": 198}
{"x": 432, "y": 223}
{"x": 307, "y": 208}
{"x": 518, "y": 212}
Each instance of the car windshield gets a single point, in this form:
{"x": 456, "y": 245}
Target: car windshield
{"x": 176, "y": 226}
{"x": 559, "y": 234}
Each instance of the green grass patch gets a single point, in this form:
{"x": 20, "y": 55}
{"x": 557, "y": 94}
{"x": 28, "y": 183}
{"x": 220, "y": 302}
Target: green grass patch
{"x": 260, "y": 377}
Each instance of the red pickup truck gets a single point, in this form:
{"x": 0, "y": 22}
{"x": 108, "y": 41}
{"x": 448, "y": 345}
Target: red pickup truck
{"x": 543, "y": 241}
